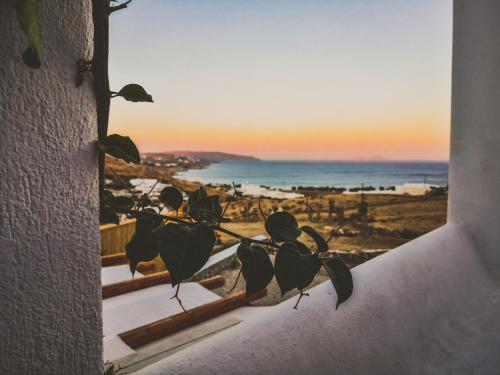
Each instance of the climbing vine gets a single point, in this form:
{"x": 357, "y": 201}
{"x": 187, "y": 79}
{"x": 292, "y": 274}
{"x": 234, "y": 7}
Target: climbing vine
{"x": 184, "y": 243}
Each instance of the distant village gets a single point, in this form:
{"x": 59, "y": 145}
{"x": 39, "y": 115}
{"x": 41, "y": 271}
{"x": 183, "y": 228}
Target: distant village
{"x": 171, "y": 160}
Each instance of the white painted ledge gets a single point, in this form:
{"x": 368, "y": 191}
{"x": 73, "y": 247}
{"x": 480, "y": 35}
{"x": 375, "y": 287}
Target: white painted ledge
{"x": 114, "y": 274}
{"x": 128, "y": 311}
{"x": 131, "y": 310}
{"x": 428, "y": 307}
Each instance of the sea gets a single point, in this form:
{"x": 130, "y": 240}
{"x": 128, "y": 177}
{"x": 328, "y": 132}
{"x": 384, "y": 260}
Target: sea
{"x": 347, "y": 174}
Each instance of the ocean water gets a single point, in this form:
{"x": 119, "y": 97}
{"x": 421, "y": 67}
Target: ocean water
{"x": 285, "y": 174}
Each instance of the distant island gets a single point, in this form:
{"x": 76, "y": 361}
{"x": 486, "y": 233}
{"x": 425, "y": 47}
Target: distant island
{"x": 209, "y": 156}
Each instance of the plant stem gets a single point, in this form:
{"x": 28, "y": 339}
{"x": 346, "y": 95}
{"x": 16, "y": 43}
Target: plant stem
{"x": 235, "y": 283}
{"x": 239, "y": 236}
{"x": 229, "y": 201}
{"x": 125, "y": 185}
{"x": 118, "y": 7}
{"x": 302, "y": 294}
{"x": 176, "y": 296}
{"x": 100, "y": 14}
{"x": 260, "y": 209}
{"x": 150, "y": 190}
{"x": 176, "y": 219}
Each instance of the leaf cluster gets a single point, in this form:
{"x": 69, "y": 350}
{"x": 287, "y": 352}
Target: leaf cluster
{"x": 295, "y": 264}
{"x": 185, "y": 243}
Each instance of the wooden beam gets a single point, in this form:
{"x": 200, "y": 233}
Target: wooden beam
{"x": 127, "y": 286}
{"x": 153, "y": 331}
{"x": 213, "y": 282}
{"x": 114, "y": 260}
{"x": 120, "y": 259}
{"x": 146, "y": 267}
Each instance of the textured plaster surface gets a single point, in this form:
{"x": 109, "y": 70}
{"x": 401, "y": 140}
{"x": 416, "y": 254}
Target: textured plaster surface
{"x": 475, "y": 136}
{"x": 428, "y": 307}
{"x": 50, "y": 309}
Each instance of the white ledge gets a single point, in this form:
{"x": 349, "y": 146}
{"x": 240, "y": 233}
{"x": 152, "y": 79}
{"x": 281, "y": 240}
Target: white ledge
{"x": 429, "y": 306}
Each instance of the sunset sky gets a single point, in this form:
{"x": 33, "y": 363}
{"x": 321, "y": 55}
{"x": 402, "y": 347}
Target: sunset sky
{"x": 286, "y": 79}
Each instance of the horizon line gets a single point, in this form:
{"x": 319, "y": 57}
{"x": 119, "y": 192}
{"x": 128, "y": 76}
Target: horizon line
{"x": 353, "y": 160}
{"x": 302, "y": 160}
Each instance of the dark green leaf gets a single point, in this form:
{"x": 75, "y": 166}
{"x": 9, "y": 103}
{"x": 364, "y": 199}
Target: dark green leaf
{"x": 140, "y": 250}
{"x": 146, "y": 224}
{"x": 341, "y": 278}
{"x": 135, "y": 93}
{"x": 144, "y": 200}
{"x": 320, "y": 242}
{"x": 31, "y": 59}
{"x": 106, "y": 216}
{"x": 185, "y": 249}
{"x": 206, "y": 209}
{"x": 256, "y": 267}
{"x": 282, "y": 227}
{"x": 196, "y": 195}
{"x": 121, "y": 148}
{"x": 27, "y": 13}
{"x": 108, "y": 197}
{"x": 293, "y": 269}
{"x": 122, "y": 202}
{"x": 303, "y": 249}
{"x": 116, "y": 202}
{"x": 172, "y": 197}
{"x": 143, "y": 247}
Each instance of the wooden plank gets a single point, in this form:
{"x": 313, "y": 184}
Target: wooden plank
{"x": 114, "y": 260}
{"x": 121, "y": 258}
{"x": 213, "y": 282}
{"x": 150, "y": 332}
{"x": 127, "y": 286}
{"x": 146, "y": 267}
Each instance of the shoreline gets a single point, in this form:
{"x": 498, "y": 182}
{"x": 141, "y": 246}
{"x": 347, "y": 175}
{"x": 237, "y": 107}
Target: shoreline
{"x": 168, "y": 173}
{"x": 255, "y": 186}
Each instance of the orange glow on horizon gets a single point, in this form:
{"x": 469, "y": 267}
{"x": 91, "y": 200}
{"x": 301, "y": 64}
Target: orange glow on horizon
{"x": 422, "y": 140}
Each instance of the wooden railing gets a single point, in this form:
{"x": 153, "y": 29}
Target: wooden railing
{"x": 115, "y": 237}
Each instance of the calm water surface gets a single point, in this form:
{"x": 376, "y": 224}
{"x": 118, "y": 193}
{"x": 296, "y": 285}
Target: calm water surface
{"x": 285, "y": 174}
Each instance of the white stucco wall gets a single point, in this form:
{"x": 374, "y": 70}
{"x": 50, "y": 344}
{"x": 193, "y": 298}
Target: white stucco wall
{"x": 427, "y": 307}
{"x": 475, "y": 136}
{"x": 50, "y": 309}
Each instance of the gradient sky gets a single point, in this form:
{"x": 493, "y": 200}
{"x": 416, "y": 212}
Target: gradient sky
{"x": 286, "y": 79}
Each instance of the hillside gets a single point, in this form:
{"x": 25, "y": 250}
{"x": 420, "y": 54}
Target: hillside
{"x": 211, "y": 156}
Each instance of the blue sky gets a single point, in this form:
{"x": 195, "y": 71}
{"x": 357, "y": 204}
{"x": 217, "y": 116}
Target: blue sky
{"x": 286, "y": 79}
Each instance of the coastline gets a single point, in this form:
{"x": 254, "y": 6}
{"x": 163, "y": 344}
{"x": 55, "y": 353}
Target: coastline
{"x": 169, "y": 173}
{"x": 289, "y": 179}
